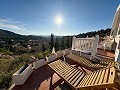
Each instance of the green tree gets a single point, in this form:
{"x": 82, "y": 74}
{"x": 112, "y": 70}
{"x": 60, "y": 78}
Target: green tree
{"x": 68, "y": 42}
{"x": 43, "y": 47}
{"x": 51, "y": 42}
{"x": 63, "y": 43}
{"x": 56, "y": 44}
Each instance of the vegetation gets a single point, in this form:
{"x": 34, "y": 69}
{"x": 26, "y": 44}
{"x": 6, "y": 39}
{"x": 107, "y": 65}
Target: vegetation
{"x": 57, "y": 45}
{"x": 42, "y": 55}
{"x": 8, "y": 67}
{"x": 101, "y": 33}
{"x": 19, "y": 44}
{"x": 43, "y": 47}
{"x": 6, "y": 51}
{"x": 51, "y": 42}
{"x": 8, "y": 35}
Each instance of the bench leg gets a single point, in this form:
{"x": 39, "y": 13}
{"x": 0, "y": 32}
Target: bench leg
{"x": 80, "y": 53}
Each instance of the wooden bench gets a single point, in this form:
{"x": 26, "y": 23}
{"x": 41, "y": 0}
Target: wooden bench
{"x": 89, "y": 64}
{"x": 78, "y": 80}
{"x": 86, "y": 45}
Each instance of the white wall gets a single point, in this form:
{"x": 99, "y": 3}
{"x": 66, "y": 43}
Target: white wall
{"x": 59, "y": 54}
{"x": 67, "y": 51}
{"x": 51, "y": 58}
{"x": 117, "y": 52}
{"x": 20, "y": 79}
{"x": 39, "y": 63}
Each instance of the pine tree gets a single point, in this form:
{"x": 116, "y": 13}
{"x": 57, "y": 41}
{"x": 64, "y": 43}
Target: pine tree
{"x": 63, "y": 43}
{"x": 68, "y": 42}
{"x": 52, "y": 42}
{"x": 56, "y": 44}
{"x": 43, "y": 47}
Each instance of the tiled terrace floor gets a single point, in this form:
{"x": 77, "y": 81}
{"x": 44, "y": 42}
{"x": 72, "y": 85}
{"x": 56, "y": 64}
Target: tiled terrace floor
{"x": 41, "y": 79}
{"x": 105, "y": 55}
{"x": 45, "y": 79}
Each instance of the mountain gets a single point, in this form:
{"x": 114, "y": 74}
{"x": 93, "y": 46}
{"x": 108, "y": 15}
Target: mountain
{"x": 101, "y": 33}
{"x": 8, "y": 35}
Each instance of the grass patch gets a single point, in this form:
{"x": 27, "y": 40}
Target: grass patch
{"x": 9, "y": 67}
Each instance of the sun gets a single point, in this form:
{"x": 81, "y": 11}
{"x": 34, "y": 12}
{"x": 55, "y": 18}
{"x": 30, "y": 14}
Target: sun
{"x": 59, "y": 20}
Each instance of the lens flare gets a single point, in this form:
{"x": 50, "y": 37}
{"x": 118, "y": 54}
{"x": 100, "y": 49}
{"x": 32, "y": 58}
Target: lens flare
{"x": 59, "y": 20}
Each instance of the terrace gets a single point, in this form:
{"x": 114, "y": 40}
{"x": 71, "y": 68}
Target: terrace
{"x": 84, "y": 58}
{"x": 45, "y": 78}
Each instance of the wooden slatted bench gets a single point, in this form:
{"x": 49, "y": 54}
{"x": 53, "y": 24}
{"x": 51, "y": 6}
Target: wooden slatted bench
{"x": 67, "y": 72}
{"x": 105, "y": 78}
{"x": 89, "y": 64}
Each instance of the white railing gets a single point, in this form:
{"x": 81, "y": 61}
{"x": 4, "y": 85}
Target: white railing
{"x": 86, "y": 45}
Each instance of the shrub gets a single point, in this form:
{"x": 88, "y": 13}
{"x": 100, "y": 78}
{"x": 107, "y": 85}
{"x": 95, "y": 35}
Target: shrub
{"x": 6, "y": 51}
{"x": 42, "y": 55}
{"x": 39, "y": 56}
{"x": 9, "y": 67}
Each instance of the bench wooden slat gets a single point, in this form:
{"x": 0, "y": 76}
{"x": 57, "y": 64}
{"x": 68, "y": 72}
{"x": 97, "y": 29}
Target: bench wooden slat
{"x": 87, "y": 80}
{"x": 102, "y": 77}
{"x": 72, "y": 78}
{"x": 71, "y": 75}
{"x": 91, "y": 80}
{"x": 79, "y": 79}
{"x": 60, "y": 68}
{"x": 96, "y": 75}
{"x": 76, "y": 78}
{"x": 66, "y": 69}
{"x": 57, "y": 70}
{"x": 97, "y": 80}
{"x": 83, "y": 80}
{"x": 111, "y": 75}
{"x": 106, "y": 76}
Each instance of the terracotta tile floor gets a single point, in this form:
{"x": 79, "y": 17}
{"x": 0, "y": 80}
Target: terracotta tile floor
{"x": 41, "y": 79}
{"x": 105, "y": 53}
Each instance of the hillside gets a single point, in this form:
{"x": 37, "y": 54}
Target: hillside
{"x": 8, "y": 35}
{"x": 101, "y": 33}
{"x": 20, "y": 43}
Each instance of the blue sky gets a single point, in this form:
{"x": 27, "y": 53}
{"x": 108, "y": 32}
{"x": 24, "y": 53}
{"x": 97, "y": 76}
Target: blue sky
{"x": 37, "y": 17}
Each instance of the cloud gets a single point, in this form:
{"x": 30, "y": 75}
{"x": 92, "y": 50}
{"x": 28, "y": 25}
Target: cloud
{"x": 12, "y": 25}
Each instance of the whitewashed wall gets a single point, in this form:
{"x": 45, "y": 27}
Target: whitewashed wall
{"x": 117, "y": 52}
{"x": 51, "y": 58}
{"x": 39, "y": 63}
{"x": 20, "y": 79}
{"x": 59, "y": 54}
{"x": 67, "y": 51}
